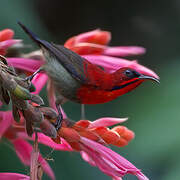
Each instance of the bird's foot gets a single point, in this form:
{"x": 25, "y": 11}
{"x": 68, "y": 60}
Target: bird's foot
{"x": 59, "y": 120}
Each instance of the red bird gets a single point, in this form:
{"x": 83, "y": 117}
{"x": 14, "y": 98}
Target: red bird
{"x": 76, "y": 79}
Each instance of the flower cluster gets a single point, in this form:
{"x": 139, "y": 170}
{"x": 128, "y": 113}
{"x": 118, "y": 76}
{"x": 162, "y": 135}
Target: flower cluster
{"x": 91, "y": 139}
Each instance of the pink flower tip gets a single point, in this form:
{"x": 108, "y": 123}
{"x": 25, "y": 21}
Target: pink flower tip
{"x": 124, "y": 51}
{"x": 6, "y": 34}
{"x": 13, "y": 176}
{"x": 106, "y": 121}
{"x": 95, "y": 37}
{"x": 8, "y": 43}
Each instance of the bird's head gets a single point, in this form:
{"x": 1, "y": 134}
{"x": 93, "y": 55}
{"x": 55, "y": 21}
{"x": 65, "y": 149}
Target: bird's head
{"x": 127, "y": 79}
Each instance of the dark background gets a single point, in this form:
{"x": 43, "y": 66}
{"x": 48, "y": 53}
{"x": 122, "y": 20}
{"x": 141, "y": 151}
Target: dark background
{"x": 153, "y": 110}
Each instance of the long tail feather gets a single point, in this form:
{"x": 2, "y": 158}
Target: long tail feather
{"x": 33, "y": 36}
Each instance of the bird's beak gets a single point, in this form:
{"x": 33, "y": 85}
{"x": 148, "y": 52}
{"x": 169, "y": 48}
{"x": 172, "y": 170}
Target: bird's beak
{"x": 149, "y": 77}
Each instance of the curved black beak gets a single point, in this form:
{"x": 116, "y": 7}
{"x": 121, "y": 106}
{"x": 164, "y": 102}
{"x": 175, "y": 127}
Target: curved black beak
{"x": 149, "y": 77}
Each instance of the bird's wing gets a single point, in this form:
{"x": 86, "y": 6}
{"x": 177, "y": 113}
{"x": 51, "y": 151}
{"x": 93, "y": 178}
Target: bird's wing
{"x": 71, "y": 61}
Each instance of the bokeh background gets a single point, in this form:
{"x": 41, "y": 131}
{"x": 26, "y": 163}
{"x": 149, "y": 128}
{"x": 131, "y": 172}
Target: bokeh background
{"x": 153, "y": 110}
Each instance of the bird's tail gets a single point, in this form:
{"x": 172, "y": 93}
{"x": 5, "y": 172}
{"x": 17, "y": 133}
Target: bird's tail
{"x": 33, "y": 36}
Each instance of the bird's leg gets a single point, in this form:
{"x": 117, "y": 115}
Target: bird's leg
{"x": 59, "y": 120}
{"x": 83, "y": 116}
{"x": 29, "y": 78}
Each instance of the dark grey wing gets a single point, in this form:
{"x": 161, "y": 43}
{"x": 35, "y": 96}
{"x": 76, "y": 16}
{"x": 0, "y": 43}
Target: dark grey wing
{"x": 71, "y": 61}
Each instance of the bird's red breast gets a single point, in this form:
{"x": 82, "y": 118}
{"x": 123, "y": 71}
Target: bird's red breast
{"x": 91, "y": 95}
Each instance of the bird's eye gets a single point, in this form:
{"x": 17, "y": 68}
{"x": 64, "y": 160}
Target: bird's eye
{"x": 129, "y": 73}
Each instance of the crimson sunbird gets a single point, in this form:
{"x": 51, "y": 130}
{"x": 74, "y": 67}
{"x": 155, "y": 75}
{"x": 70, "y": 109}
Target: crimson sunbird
{"x": 80, "y": 81}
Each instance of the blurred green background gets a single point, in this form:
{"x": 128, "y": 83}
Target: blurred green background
{"x": 153, "y": 110}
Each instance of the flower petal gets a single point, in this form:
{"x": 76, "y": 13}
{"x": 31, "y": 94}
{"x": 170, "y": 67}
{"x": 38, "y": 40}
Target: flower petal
{"x": 6, "y": 34}
{"x": 52, "y": 98}
{"x": 8, "y": 43}
{"x": 112, "y": 64}
{"x": 117, "y": 178}
{"x": 96, "y": 36}
{"x": 25, "y": 64}
{"x": 23, "y": 150}
{"x": 87, "y": 158}
{"x": 106, "y": 167}
{"x": 39, "y": 82}
{"x": 109, "y": 161}
{"x": 51, "y": 94}
{"x": 43, "y": 139}
{"x": 88, "y": 48}
{"x": 13, "y": 176}
{"x": 124, "y": 51}
{"x": 106, "y": 121}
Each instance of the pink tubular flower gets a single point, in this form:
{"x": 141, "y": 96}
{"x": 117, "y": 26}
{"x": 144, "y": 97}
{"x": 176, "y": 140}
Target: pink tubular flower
{"x": 89, "y": 139}
{"x": 104, "y": 158}
{"x": 107, "y": 160}
{"x": 6, "y": 40}
{"x": 29, "y": 65}
{"x": 13, "y": 176}
{"x": 93, "y": 46}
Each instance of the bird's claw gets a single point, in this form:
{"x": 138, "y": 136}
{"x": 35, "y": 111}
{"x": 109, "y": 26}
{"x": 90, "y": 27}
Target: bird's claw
{"x": 59, "y": 120}
{"x": 58, "y": 123}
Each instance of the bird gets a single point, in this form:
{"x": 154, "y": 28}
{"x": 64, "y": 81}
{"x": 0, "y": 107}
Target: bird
{"x": 76, "y": 79}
